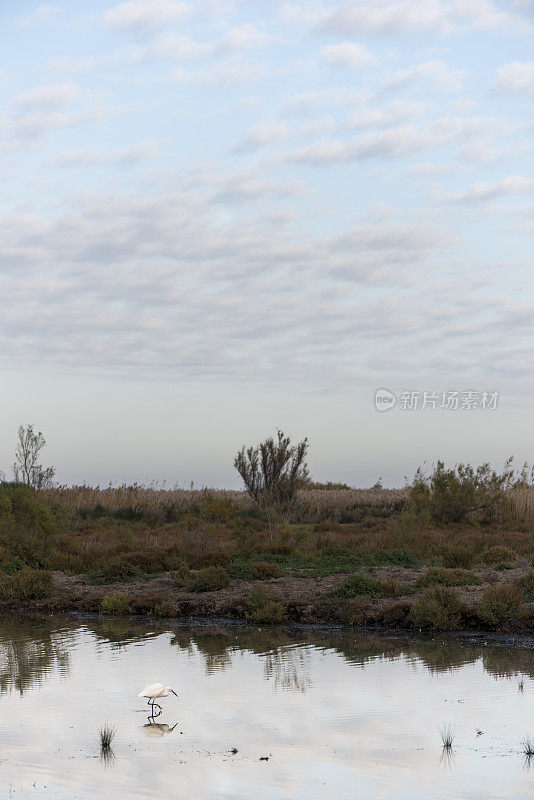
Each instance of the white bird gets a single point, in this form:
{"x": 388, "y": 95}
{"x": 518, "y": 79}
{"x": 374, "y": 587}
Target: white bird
{"x": 155, "y": 691}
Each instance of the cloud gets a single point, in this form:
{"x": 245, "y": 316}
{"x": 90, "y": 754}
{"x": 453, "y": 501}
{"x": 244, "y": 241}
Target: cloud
{"x": 396, "y": 17}
{"x": 52, "y": 95}
{"x": 166, "y": 286}
{"x": 515, "y": 78}
{"x": 93, "y": 157}
{"x": 437, "y": 73}
{"x": 390, "y": 143}
{"x": 41, "y": 14}
{"x": 480, "y": 193}
{"x": 347, "y": 54}
{"x": 261, "y": 135}
{"x": 141, "y": 16}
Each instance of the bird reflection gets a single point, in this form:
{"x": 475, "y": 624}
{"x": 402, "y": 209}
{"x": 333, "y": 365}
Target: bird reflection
{"x": 157, "y": 729}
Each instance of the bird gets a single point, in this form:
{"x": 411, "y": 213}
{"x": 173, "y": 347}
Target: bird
{"x": 154, "y": 691}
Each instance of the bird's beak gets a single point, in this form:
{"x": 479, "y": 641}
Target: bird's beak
{"x": 174, "y": 693}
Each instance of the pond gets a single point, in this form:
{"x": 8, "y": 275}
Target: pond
{"x": 311, "y": 713}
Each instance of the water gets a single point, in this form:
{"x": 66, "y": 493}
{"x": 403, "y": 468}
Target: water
{"x": 339, "y": 715}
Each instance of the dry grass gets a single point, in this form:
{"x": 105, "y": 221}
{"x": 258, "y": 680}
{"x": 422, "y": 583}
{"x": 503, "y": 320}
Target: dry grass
{"x": 141, "y": 498}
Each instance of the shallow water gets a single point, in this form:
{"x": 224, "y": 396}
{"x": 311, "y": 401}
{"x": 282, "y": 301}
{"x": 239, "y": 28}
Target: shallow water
{"x": 339, "y": 715}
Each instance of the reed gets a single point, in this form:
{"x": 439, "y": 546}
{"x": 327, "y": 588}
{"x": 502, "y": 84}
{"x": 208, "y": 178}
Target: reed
{"x": 446, "y": 732}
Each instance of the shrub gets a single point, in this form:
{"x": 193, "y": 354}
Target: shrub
{"x": 357, "y": 585}
{"x": 216, "y": 558}
{"x": 499, "y": 554}
{"x": 262, "y": 570}
{"x": 182, "y": 575}
{"x": 118, "y": 603}
{"x": 273, "y": 471}
{"x": 454, "y": 495}
{"x": 448, "y": 577}
{"x": 210, "y": 579}
{"x": 353, "y": 610}
{"x": 438, "y": 609}
{"x": 526, "y": 586}
{"x": 458, "y": 556}
{"x": 26, "y": 584}
{"x": 499, "y": 603}
{"x": 260, "y": 608}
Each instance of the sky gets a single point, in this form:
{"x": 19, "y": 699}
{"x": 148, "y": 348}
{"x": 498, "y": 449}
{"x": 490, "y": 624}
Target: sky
{"x": 226, "y": 216}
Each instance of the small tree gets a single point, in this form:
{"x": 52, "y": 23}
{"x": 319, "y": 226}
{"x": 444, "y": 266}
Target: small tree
{"x": 26, "y": 468}
{"x": 273, "y": 471}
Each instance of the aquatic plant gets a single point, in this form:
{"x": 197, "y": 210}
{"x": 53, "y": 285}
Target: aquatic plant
{"x": 446, "y": 732}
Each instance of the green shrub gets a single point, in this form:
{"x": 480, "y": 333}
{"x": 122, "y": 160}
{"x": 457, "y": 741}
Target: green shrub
{"x": 358, "y": 585}
{"x": 499, "y": 554}
{"x": 210, "y": 579}
{"x": 438, "y": 609}
{"x": 458, "y": 556}
{"x": 499, "y": 603}
{"x": 26, "y": 584}
{"x": 526, "y": 586}
{"x": 259, "y": 607}
{"x": 448, "y": 577}
{"x": 262, "y": 570}
{"x": 118, "y": 603}
{"x": 454, "y": 495}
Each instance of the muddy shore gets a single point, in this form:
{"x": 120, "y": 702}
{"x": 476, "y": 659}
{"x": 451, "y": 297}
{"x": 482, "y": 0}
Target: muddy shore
{"x": 307, "y": 600}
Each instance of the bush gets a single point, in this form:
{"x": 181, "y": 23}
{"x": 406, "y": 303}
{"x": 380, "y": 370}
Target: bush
{"x": 358, "y": 585}
{"x": 526, "y": 586}
{"x": 499, "y": 604}
{"x": 26, "y": 584}
{"x": 263, "y": 570}
{"x": 181, "y": 576}
{"x": 118, "y": 603}
{"x": 438, "y": 609}
{"x": 463, "y": 492}
{"x": 352, "y": 610}
{"x": 499, "y": 554}
{"x": 458, "y": 556}
{"x": 210, "y": 579}
{"x": 216, "y": 558}
{"x": 448, "y": 577}
{"x": 260, "y": 608}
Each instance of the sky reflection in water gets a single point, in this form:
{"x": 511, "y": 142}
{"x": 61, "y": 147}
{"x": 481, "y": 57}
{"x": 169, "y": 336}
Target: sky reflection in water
{"x": 340, "y": 715}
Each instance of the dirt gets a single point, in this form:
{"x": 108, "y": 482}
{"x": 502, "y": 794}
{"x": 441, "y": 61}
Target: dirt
{"x": 307, "y": 600}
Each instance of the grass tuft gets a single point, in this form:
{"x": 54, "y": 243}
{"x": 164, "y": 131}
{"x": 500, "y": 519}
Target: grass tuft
{"x": 106, "y": 733}
{"x": 446, "y": 732}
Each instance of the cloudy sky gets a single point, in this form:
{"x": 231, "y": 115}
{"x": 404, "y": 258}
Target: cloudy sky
{"x": 222, "y": 216}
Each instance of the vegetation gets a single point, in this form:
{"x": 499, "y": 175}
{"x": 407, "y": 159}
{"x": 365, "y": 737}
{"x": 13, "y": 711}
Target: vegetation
{"x": 209, "y": 579}
{"x": 273, "y": 471}
{"x": 26, "y": 584}
{"x": 446, "y": 733}
{"x": 464, "y": 492}
{"x": 26, "y": 468}
{"x": 448, "y": 577}
{"x": 263, "y": 570}
{"x": 206, "y": 538}
{"x": 117, "y": 604}
{"x": 438, "y": 609}
{"x": 499, "y": 604}
{"x": 259, "y": 607}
